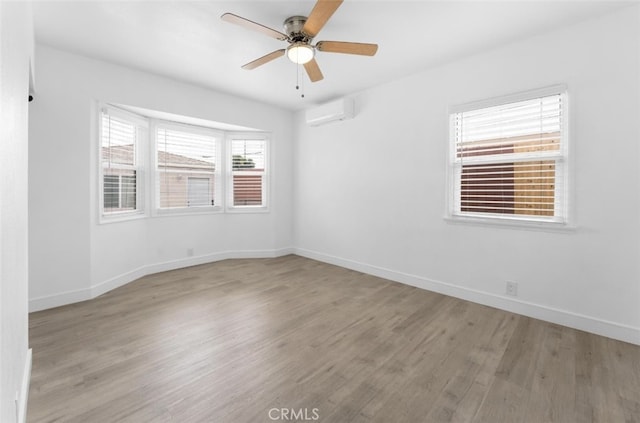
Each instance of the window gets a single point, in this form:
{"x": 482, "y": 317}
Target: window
{"x": 248, "y": 164}
{"x": 177, "y": 164}
{"x": 187, "y": 166}
{"x": 508, "y": 158}
{"x": 120, "y": 137}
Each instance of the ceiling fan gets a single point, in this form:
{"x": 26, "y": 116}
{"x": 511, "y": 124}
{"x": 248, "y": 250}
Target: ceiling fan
{"x": 299, "y": 33}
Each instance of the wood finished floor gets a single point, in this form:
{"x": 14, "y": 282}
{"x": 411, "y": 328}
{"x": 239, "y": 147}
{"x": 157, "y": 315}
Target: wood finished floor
{"x": 229, "y": 341}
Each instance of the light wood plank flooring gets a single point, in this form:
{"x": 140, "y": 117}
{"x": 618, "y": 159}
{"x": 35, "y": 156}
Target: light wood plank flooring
{"x": 232, "y": 341}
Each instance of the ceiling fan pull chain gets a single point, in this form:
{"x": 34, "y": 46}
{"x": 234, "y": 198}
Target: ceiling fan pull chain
{"x": 298, "y": 80}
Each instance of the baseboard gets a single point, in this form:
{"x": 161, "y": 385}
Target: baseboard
{"x": 60, "y": 299}
{"x": 538, "y": 311}
{"x": 211, "y": 258}
{"x": 70, "y": 297}
{"x": 23, "y": 399}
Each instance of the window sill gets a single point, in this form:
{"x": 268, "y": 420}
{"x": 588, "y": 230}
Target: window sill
{"x": 187, "y": 211}
{"x": 513, "y": 223}
{"x": 247, "y": 209}
{"x": 121, "y": 217}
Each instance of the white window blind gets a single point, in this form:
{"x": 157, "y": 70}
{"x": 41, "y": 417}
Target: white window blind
{"x": 248, "y": 171}
{"x": 119, "y": 140}
{"x": 187, "y": 167}
{"x": 509, "y": 160}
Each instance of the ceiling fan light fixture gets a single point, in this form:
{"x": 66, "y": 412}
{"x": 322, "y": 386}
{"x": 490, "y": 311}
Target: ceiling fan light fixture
{"x": 300, "y": 53}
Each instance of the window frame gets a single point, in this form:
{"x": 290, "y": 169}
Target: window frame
{"x": 257, "y": 136}
{"x": 218, "y": 174}
{"x": 562, "y": 219}
{"x": 140, "y": 165}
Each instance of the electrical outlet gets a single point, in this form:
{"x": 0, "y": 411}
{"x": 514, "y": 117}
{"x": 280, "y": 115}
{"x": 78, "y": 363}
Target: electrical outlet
{"x": 512, "y": 289}
{"x": 190, "y": 252}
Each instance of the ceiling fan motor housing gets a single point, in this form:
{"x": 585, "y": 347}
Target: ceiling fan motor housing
{"x": 293, "y": 28}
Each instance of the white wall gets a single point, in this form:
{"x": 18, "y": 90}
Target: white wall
{"x": 72, "y": 256}
{"x": 369, "y": 193}
{"x": 16, "y": 46}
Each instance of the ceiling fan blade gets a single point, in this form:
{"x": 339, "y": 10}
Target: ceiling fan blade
{"x": 362, "y": 49}
{"x": 246, "y": 23}
{"x": 319, "y": 16}
{"x": 313, "y": 70}
{"x": 264, "y": 59}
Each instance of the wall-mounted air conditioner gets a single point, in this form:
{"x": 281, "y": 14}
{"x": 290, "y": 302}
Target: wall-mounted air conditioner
{"x": 330, "y": 112}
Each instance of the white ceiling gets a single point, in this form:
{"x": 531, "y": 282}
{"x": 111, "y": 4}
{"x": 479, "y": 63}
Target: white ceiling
{"x": 186, "y": 40}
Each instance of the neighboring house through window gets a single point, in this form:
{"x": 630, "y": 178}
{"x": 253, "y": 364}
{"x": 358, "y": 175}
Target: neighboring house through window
{"x": 119, "y": 192}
